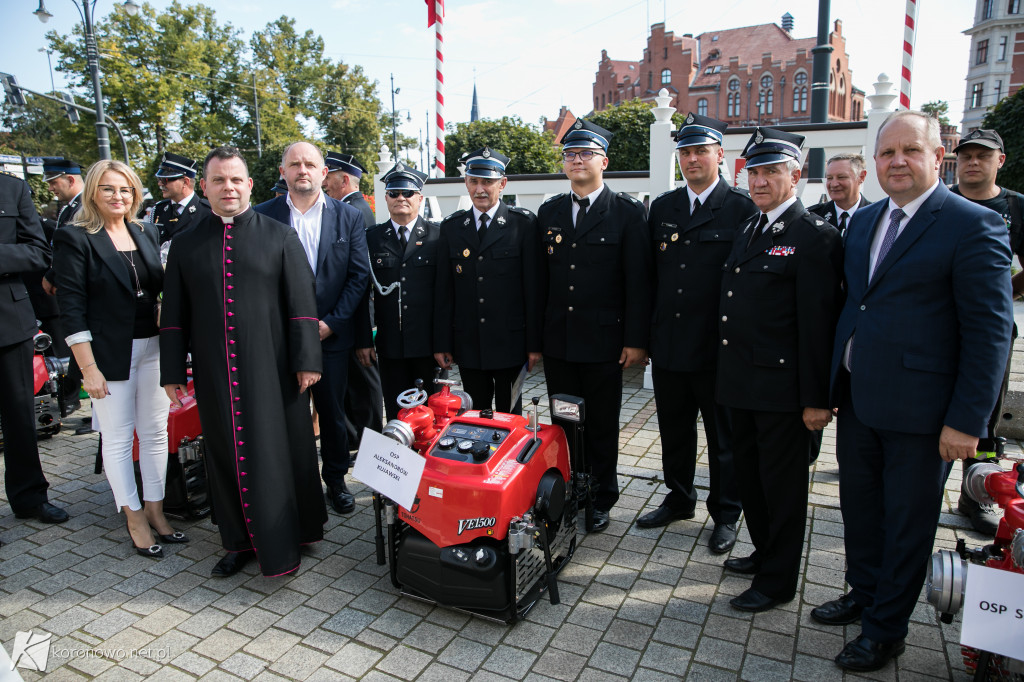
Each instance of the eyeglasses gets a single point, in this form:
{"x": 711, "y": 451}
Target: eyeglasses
{"x": 585, "y": 155}
{"x": 407, "y": 193}
{"x": 108, "y": 191}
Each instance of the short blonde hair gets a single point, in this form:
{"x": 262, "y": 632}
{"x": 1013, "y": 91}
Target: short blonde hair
{"x": 89, "y": 216}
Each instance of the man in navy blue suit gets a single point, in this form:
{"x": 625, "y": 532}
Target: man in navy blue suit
{"x": 917, "y": 364}
{"x": 334, "y": 240}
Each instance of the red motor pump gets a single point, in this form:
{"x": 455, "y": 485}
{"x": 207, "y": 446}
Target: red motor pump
{"x": 494, "y": 518}
{"x": 47, "y": 373}
{"x": 987, "y": 483}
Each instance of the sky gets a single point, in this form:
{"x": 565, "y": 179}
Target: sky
{"x": 529, "y": 57}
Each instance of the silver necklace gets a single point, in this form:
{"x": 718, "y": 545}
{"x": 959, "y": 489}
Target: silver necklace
{"x": 139, "y": 293}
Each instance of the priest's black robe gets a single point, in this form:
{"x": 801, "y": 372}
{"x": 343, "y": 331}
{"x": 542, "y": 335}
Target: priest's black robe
{"x": 241, "y": 299}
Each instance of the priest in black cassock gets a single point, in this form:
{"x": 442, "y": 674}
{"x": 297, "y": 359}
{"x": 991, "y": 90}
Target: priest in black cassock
{"x": 239, "y": 295}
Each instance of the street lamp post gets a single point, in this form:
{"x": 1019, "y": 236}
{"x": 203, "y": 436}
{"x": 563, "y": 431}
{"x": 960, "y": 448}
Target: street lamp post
{"x": 394, "y": 119}
{"x": 48, "y": 51}
{"x": 86, "y": 10}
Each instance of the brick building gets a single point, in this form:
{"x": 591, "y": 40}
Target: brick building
{"x": 740, "y": 75}
{"x": 996, "y": 61}
{"x": 561, "y": 124}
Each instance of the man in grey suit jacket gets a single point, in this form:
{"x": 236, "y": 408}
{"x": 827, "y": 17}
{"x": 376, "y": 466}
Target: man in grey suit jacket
{"x": 334, "y": 240}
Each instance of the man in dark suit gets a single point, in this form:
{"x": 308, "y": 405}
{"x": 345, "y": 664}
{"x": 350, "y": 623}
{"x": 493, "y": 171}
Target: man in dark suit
{"x": 692, "y": 230}
{"x": 597, "y": 314}
{"x": 333, "y": 238}
{"x": 403, "y": 260}
{"x": 23, "y": 249}
{"x": 487, "y": 315}
{"x": 364, "y": 401}
{"x": 917, "y": 362}
{"x": 844, "y": 177}
{"x": 779, "y": 301}
{"x": 181, "y": 207}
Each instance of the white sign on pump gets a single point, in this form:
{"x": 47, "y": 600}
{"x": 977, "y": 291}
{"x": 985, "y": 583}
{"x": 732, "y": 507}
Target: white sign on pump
{"x": 389, "y": 467}
{"x": 994, "y": 611}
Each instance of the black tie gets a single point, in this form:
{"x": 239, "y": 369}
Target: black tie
{"x": 696, "y": 206}
{"x": 757, "y": 230}
{"x": 405, "y": 237}
{"x": 483, "y": 227}
{"x": 583, "y": 204}
{"x": 842, "y": 223}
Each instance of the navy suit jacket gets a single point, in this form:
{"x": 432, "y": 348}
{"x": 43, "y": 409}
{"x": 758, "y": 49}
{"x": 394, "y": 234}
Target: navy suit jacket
{"x": 932, "y": 327}
{"x": 342, "y": 266}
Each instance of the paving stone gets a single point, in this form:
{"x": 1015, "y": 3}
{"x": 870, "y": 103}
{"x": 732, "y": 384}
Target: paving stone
{"x": 666, "y": 659}
{"x": 205, "y": 623}
{"x": 437, "y": 672}
{"x": 404, "y": 663}
{"x": 245, "y": 666}
{"x": 354, "y": 659}
{"x": 560, "y": 665}
{"x": 348, "y": 622}
{"x": 628, "y": 634}
{"x": 396, "y": 622}
{"x": 464, "y": 654}
{"x": 429, "y": 637}
{"x": 299, "y": 662}
{"x": 220, "y": 645}
{"x": 271, "y": 644}
{"x": 193, "y": 663}
{"x": 719, "y": 652}
{"x": 302, "y": 620}
{"x": 253, "y": 621}
{"x": 614, "y": 659}
{"x": 758, "y": 669}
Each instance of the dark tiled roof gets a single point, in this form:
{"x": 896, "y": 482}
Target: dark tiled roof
{"x": 748, "y": 43}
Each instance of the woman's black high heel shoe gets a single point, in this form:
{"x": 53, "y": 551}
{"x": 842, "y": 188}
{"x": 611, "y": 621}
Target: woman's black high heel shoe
{"x": 175, "y": 538}
{"x": 151, "y": 552}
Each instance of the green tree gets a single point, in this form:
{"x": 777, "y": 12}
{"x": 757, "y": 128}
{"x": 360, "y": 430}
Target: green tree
{"x": 41, "y": 128}
{"x": 1007, "y": 118}
{"x": 348, "y": 111}
{"x": 937, "y": 109}
{"x": 530, "y": 150}
{"x": 630, "y": 123}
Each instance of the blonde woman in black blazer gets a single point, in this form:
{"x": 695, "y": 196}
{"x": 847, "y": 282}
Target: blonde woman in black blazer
{"x": 109, "y": 275}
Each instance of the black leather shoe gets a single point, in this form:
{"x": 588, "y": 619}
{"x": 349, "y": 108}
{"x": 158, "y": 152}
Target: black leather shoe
{"x": 151, "y": 552}
{"x": 662, "y": 516}
{"x": 753, "y": 601}
{"x": 722, "y": 538}
{"x": 866, "y": 655}
{"x": 46, "y": 512}
{"x": 232, "y": 563}
{"x": 175, "y": 538}
{"x": 744, "y": 565}
{"x": 340, "y": 498}
{"x": 984, "y": 517}
{"x": 842, "y": 611}
{"x": 600, "y": 521}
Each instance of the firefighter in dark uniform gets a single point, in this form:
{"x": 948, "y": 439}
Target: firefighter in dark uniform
{"x": 595, "y": 274}
{"x": 181, "y": 206}
{"x": 342, "y": 183}
{"x": 280, "y": 187}
{"x": 23, "y": 249}
{"x": 487, "y": 317}
{"x": 403, "y": 261}
{"x": 692, "y": 231}
{"x": 364, "y": 401}
{"x": 779, "y": 303}
{"x": 64, "y": 178}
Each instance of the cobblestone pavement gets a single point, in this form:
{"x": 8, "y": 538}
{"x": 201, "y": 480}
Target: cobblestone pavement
{"x": 635, "y": 604}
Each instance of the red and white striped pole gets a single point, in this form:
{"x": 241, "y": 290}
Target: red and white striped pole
{"x": 435, "y": 17}
{"x": 909, "y": 36}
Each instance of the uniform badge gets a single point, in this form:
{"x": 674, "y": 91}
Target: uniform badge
{"x": 578, "y": 125}
{"x": 487, "y": 153}
{"x": 689, "y": 119}
{"x": 419, "y": 243}
{"x": 465, "y": 253}
{"x": 781, "y": 251}
{"x": 828, "y": 216}
{"x": 558, "y": 239}
{"x": 777, "y": 227}
{"x": 379, "y": 261}
{"x": 759, "y": 136}
{"x": 819, "y": 223}
{"x": 466, "y": 221}
{"x": 191, "y": 209}
{"x": 662, "y": 246}
{"x": 458, "y": 269}
{"x": 500, "y": 220}
{"x": 675, "y": 236}
{"x": 551, "y": 250}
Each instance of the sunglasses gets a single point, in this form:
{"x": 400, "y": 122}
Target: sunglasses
{"x": 407, "y": 193}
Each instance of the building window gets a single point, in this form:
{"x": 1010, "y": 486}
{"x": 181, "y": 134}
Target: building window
{"x": 602, "y": 101}
{"x": 766, "y": 82}
{"x": 800, "y": 99}
{"x": 733, "y": 101}
{"x": 767, "y": 102}
{"x": 650, "y": 80}
{"x": 977, "y": 94}
{"x": 999, "y": 91}
{"x": 702, "y": 107}
{"x": 986, "y": 9}
{"x": 1002, "y": 49}
{"x": 1014, "y": 7}
{"x": 666, "y": 76}
{"x": 666, "y": 53}
{"x": 982, "y": 53}
{"x": 595, "y": 104}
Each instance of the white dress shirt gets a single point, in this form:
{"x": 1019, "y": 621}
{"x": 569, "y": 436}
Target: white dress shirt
{"x": 308, "y": 226}
{"x": 490, "y": 215}
{"x": 576, "y": 207}
{"x": 703, "y": 196}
